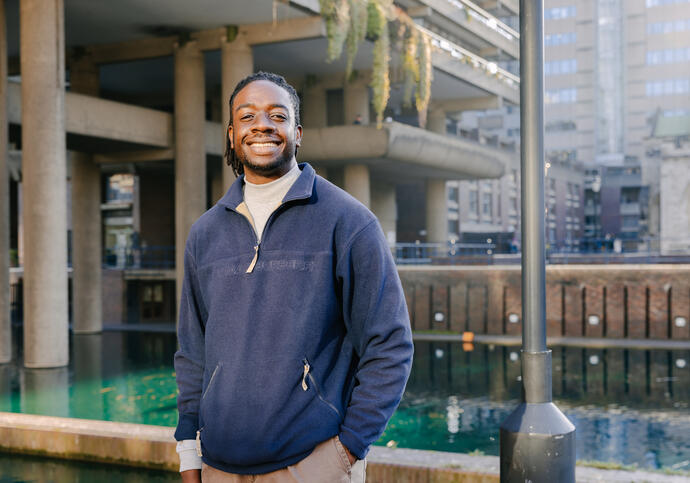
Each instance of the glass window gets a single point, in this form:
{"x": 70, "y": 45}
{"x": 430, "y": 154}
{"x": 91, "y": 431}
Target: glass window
{"x": 486, "y": 204}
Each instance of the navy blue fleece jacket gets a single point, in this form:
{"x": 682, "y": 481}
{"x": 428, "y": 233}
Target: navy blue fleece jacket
{"x": 289, "y": 342}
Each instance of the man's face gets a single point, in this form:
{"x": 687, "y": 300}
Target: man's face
{"x": 263, "y": 133}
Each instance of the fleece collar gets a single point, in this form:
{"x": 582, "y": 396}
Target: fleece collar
{"x": 301, "y": 189}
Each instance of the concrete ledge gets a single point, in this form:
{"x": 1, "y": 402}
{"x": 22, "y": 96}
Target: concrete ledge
{"x": 154, "y": 447}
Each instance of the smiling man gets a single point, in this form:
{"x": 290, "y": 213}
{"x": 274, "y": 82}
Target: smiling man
{"x": 295, "y": 343}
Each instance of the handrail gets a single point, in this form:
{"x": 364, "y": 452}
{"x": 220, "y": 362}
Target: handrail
{"x": 459, "y": 52}
{"x": 486, "y": 18}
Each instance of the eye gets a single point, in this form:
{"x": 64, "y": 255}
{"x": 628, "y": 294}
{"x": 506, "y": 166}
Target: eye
{"x": 279, "y": 116}
{"x": 246, "y": 117}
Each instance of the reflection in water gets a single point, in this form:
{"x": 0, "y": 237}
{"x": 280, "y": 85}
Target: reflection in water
{"x": 629, "y": 406}
{"x": 20, "y": 469}
{"x": 45, "y": 391}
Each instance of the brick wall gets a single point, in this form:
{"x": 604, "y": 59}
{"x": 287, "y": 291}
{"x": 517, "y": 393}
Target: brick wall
{"x": 633, "y": 301}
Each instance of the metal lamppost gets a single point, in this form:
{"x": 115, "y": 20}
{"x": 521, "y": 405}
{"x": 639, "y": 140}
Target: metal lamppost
{"x": 537, "y": 440}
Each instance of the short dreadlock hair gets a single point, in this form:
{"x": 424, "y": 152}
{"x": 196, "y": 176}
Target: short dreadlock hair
{"x": 278, "y": 80}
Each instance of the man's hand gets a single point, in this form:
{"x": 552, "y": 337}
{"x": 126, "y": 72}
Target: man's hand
{"x": 350, "y": 456}
{"x": 192, "y": 476}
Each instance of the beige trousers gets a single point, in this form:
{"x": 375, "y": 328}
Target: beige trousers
{"x": 328, "y": 463}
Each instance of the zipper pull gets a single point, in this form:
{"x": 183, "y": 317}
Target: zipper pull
{"x": 304, "y": 377}
{"x": 198, "y": 444}
{"x": 250, "y": 269}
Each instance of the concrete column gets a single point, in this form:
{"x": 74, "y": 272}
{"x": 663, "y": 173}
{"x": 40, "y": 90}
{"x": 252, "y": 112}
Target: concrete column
{"x": 436, "y": 211}
{"x": 356, "y": 98}
{"x": 356, "y": 182}
{"x": 385, "y": 208}
{"x": 5, "y": 329}
{"x": 314, "y": 107}
{"x": 44, "y": 171}
{"x": 436, "y": 122}
{"x": 236, "y": 63}
{"x": 87, "y": 312}
{"x": 86, "y": 245}
{"x": 190, "y": 153}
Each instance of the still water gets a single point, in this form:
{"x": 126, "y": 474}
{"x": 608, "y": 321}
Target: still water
{"x": 629, "y": 406}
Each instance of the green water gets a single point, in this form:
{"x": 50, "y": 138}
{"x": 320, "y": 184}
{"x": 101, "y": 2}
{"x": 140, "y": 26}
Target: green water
{"x": 629, "y": 406}
{"x": 25, "y": 469}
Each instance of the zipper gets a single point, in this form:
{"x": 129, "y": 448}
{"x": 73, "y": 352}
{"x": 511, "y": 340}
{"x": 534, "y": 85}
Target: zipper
{"x": 198, "y": 443}
{"x": 306, "y": 374}
{"x": 251, "y": 266}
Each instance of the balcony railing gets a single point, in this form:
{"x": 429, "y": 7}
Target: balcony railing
{"x": 481, "y": 15}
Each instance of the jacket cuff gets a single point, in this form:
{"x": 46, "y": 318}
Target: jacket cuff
{"x": 353, "y": 443}
{"x": 187, "y": 426}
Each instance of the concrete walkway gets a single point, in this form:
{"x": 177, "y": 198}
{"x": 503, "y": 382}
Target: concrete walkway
{"x": 153, "y": 447}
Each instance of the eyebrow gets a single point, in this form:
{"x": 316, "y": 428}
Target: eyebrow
{"x": 272, "y": 106}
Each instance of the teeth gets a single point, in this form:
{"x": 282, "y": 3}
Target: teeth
{"x": 264, "y": 145}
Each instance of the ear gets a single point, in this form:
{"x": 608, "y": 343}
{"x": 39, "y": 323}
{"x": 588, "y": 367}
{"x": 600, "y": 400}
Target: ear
{"x": 232, "y": 145}
{"x": 298, "y": 136}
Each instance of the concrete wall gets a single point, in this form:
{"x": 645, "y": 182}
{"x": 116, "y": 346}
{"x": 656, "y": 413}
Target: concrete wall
{"x": 625, "y": 301}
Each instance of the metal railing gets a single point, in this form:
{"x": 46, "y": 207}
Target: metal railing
{"x": 140, "y": 257}
{"x": 445, "y": 253}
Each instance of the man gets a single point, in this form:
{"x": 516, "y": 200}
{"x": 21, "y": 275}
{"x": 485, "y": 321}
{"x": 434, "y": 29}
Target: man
{"x": 295, "y": 344}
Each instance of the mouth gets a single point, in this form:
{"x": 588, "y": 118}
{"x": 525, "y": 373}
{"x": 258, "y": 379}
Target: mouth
{"x": 264, "y": 147}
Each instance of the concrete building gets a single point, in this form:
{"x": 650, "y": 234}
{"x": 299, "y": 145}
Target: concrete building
{"x": 673, "y": 138}
{"x": 116, "y": 116}
{"x": 611, "y": 67}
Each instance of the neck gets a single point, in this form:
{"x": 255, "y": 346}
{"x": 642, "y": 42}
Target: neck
{"x": 257, "y": 177}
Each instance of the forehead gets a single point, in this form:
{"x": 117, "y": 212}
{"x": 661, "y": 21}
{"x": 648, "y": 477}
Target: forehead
{"x": 261, "y": 93}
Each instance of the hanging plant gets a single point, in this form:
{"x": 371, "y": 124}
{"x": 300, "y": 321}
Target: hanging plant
{"x": 410, "y": 64}
{"x": 376, "y": 20}
{"x": 423, "y": 92}
{"x": 356, "y": 33}
{"x": 380, "y": 80}
{"x": 337, "y": 16}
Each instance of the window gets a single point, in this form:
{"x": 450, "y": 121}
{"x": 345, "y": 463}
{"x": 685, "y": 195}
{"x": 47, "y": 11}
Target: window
{"x": 656, "y": 3}
{"x": 560, "y": 67}
{"x": 486, "y": 204}
{"x": 560, "y": 39}
{"x": 453, "y": 227}
{"x": 657, "y": 28}
{"x": 557, "y": 13}
{"x": 667, "y": 87}
{"x": 453, "y": 193}
{"x": 120, "y": 188}
{"x": 560, "y": 96}
{"x": 558, "y": 126}
{"x": 668, "y": 56}
{"x": 474, "y": 203}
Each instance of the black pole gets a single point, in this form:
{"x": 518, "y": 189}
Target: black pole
{"x": 537, "y": 440}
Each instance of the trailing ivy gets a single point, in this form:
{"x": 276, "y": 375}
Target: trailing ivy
{"x": 423, "y": 93}
{"x": 349, "y": 22}
{"x": 336, "y": 13}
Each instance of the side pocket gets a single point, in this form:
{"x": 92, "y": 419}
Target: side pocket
{"x": 342, "y": 453}
{"x": 307, "y": 374}
{"x": 211, "y": 380}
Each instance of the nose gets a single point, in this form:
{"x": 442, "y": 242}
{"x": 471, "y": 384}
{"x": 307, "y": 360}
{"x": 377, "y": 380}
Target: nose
{"x": 263, "y": 123}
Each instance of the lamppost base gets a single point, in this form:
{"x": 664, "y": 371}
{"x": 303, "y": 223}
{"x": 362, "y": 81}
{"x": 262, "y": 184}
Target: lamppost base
{"x": 537, "y": 445}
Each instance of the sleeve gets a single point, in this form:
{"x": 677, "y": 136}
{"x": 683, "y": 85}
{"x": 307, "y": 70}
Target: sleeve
{"x": 189, "y": 359}
{"x": 189, "y": 459}
{"x": 375, "y": 314}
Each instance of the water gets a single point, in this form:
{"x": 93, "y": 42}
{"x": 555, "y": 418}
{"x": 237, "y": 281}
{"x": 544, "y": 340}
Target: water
{"x": 629, "y": 406}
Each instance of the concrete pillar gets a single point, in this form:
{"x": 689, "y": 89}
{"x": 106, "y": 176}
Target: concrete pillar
{"x": 436, "y": 211}
{"x": 190, "y": 153}
{"x": 436, "y": 122}
{"x": 45, "y": 391}
{"x": 385, "y": 208}
{"x": 86, "y": 245}
{"x": 236, "y": 63}
{"x": 44, "y": 172}
{"x": 87, "y": 312}
{"x": 356, "y": 98}
{"x": 314, "y": 107}
{"x": 5, "y": 328}
{"x": 356, "y": 182}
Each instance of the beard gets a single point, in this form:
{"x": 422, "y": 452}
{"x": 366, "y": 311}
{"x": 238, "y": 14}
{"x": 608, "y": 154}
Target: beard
{"x": 281, "y": 160}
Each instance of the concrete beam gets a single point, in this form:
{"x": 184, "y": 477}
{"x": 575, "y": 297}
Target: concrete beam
{"x": 211, "y": 39}
{"x": 475, "y": 76}
{"x": 127, "y": 157}
{"x": 468, "y": 104}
